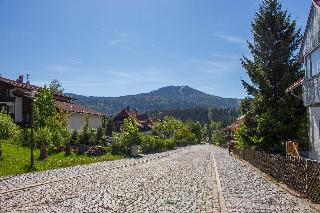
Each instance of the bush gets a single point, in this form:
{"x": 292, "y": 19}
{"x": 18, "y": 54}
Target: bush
{"x": 184, "y": 137}
{"x": 169, "y": 144}
{"x": 148, "y": 143}
{"x": 8, "y": 129}
{"x": 100, "y": 138}
{"x": 25, "y": 138}
{"x": 96, "y": 150}
{"x": 118, "y": 146}
{"x": 59, "y": 133}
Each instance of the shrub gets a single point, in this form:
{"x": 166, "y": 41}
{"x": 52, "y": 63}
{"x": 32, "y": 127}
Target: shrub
{"x": 59, "y": 133}
{"x": 169, "y": 144}
{"x": 100, "y": 138}
{"x": 74, "y": 138}
{"x": 148, "y": 143}
{"x": 118, "y": 146}
{"x": 25, "y": 138}
{"x": 96, "y": 150}
{"x": 8, "y": 129}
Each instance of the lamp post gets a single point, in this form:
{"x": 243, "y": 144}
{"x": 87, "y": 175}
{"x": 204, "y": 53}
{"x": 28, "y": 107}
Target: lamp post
{"x": 32, "y": 95}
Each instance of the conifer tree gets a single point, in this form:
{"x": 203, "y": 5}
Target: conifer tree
{"x": 274, "y": 116}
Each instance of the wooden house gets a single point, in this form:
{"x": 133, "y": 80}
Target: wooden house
{"x": 143, "y": 120}
{"x": 16, "y": 101}
{"x": 310, "y": 57}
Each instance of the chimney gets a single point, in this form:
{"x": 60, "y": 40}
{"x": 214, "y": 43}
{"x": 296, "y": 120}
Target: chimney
{"x": 20, "y": 79}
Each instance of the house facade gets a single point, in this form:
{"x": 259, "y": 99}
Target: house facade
{"x": 310, "y": 57}
{"x": 16, "y": 101}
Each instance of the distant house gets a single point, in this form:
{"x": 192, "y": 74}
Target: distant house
{"x": 143, "y": 120}
{"x": 310, "y": 56}
{"x": 15, "y": 100}
{"x": 230, "y": 130}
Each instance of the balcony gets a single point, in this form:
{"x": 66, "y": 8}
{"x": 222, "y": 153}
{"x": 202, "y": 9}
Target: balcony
{"x": 311, "y": 90}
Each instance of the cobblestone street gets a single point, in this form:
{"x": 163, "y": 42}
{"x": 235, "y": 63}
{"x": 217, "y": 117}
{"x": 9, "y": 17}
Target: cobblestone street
{"x": 183, "y": 180}
{"x": 245, "y": 190}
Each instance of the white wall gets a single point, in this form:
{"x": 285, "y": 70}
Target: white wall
{"x": 77, "y": 120}
{"x": 314, "y": 116}
{"x": 18, "y": 110}
{"x": 95, "y": 121}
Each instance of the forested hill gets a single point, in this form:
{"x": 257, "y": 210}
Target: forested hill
{"x": 226, "y": 116}
{"x": 171, "y": 97}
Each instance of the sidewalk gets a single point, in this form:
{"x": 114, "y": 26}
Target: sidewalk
{"x": 246, "y": 190}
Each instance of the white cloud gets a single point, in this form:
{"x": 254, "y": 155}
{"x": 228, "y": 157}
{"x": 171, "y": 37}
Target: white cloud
{"x": 218, "y": 64}
{"x": 231, "y": 38}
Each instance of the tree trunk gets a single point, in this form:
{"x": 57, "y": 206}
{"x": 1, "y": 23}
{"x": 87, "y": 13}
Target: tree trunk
{"x": 68, "y": 149}
{"x": 134, "y": 150}
{"x": 43, "y": 151}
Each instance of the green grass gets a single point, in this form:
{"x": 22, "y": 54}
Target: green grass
{"x": 16, "y": 160}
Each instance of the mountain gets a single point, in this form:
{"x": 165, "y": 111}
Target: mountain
{"x": 171, "y": 97}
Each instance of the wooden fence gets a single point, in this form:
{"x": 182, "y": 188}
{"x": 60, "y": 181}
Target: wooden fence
{"x": 299, "y": 174}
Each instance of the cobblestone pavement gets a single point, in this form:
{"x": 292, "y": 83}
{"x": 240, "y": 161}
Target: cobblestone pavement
{"x": 177, "y": 181}
{"x": 245, "y": 190}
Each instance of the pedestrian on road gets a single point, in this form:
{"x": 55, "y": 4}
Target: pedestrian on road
{"x": 229, "y": 147}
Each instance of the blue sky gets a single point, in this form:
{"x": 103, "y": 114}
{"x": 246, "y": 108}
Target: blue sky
{"x": 120, "y": 47}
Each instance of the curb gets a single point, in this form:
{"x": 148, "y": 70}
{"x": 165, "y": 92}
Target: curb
{"x": 222, "y": 203}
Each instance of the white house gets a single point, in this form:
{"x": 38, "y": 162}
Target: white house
{"x": 15, "y": 100}
{"x": 310, "y": 56}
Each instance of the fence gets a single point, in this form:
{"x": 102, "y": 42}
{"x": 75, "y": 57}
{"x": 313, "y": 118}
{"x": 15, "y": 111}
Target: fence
{"x": 299, "y": 174}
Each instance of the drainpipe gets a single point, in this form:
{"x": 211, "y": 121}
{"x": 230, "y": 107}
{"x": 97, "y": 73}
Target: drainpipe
{"x": 296, "y": 96}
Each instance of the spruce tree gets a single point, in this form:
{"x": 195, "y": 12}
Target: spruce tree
{"x": 274, "y": 116}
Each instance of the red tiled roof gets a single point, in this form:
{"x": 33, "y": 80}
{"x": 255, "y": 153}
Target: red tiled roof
{"x": 295, "y": 85}
{"x": 71, "y": 107}
{"x": 28, "y": 86}
{"x": 20, "y": 85}
{"x": 142, "y": 117}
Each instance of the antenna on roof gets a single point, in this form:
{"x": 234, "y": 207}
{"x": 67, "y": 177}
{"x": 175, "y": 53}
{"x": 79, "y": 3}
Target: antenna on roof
{"x": 28, "y": 79}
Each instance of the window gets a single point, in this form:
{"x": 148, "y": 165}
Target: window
{"x": 308, "y": 66}
{"x": 3, "y": 108}
{"x": 313, "y": 63}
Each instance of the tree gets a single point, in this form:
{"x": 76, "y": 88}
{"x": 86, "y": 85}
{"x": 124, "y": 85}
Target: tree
{"x": 43, "y": 108}
{"x": 245, "y": 105}
{"x": 56, "y": 87}
{"x": 274, "y": 116}
{"x": 218, "y": 137}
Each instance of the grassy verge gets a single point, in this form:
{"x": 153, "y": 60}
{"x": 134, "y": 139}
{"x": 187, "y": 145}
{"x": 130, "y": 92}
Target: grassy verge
{"x": 16, "y": 160}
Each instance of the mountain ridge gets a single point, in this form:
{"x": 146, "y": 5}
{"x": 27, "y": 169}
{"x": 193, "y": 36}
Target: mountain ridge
{"x": 169, "y": 97}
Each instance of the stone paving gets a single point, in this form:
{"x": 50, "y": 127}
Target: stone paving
{"x": 178, "y": 181}
{"x": 183, "y": 180}
{"x": 245, "y": 189}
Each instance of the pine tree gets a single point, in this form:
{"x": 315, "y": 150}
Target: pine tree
{"x": 275, "y": 116}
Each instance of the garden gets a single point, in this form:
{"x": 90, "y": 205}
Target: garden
{"x": 56, "y": 147}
